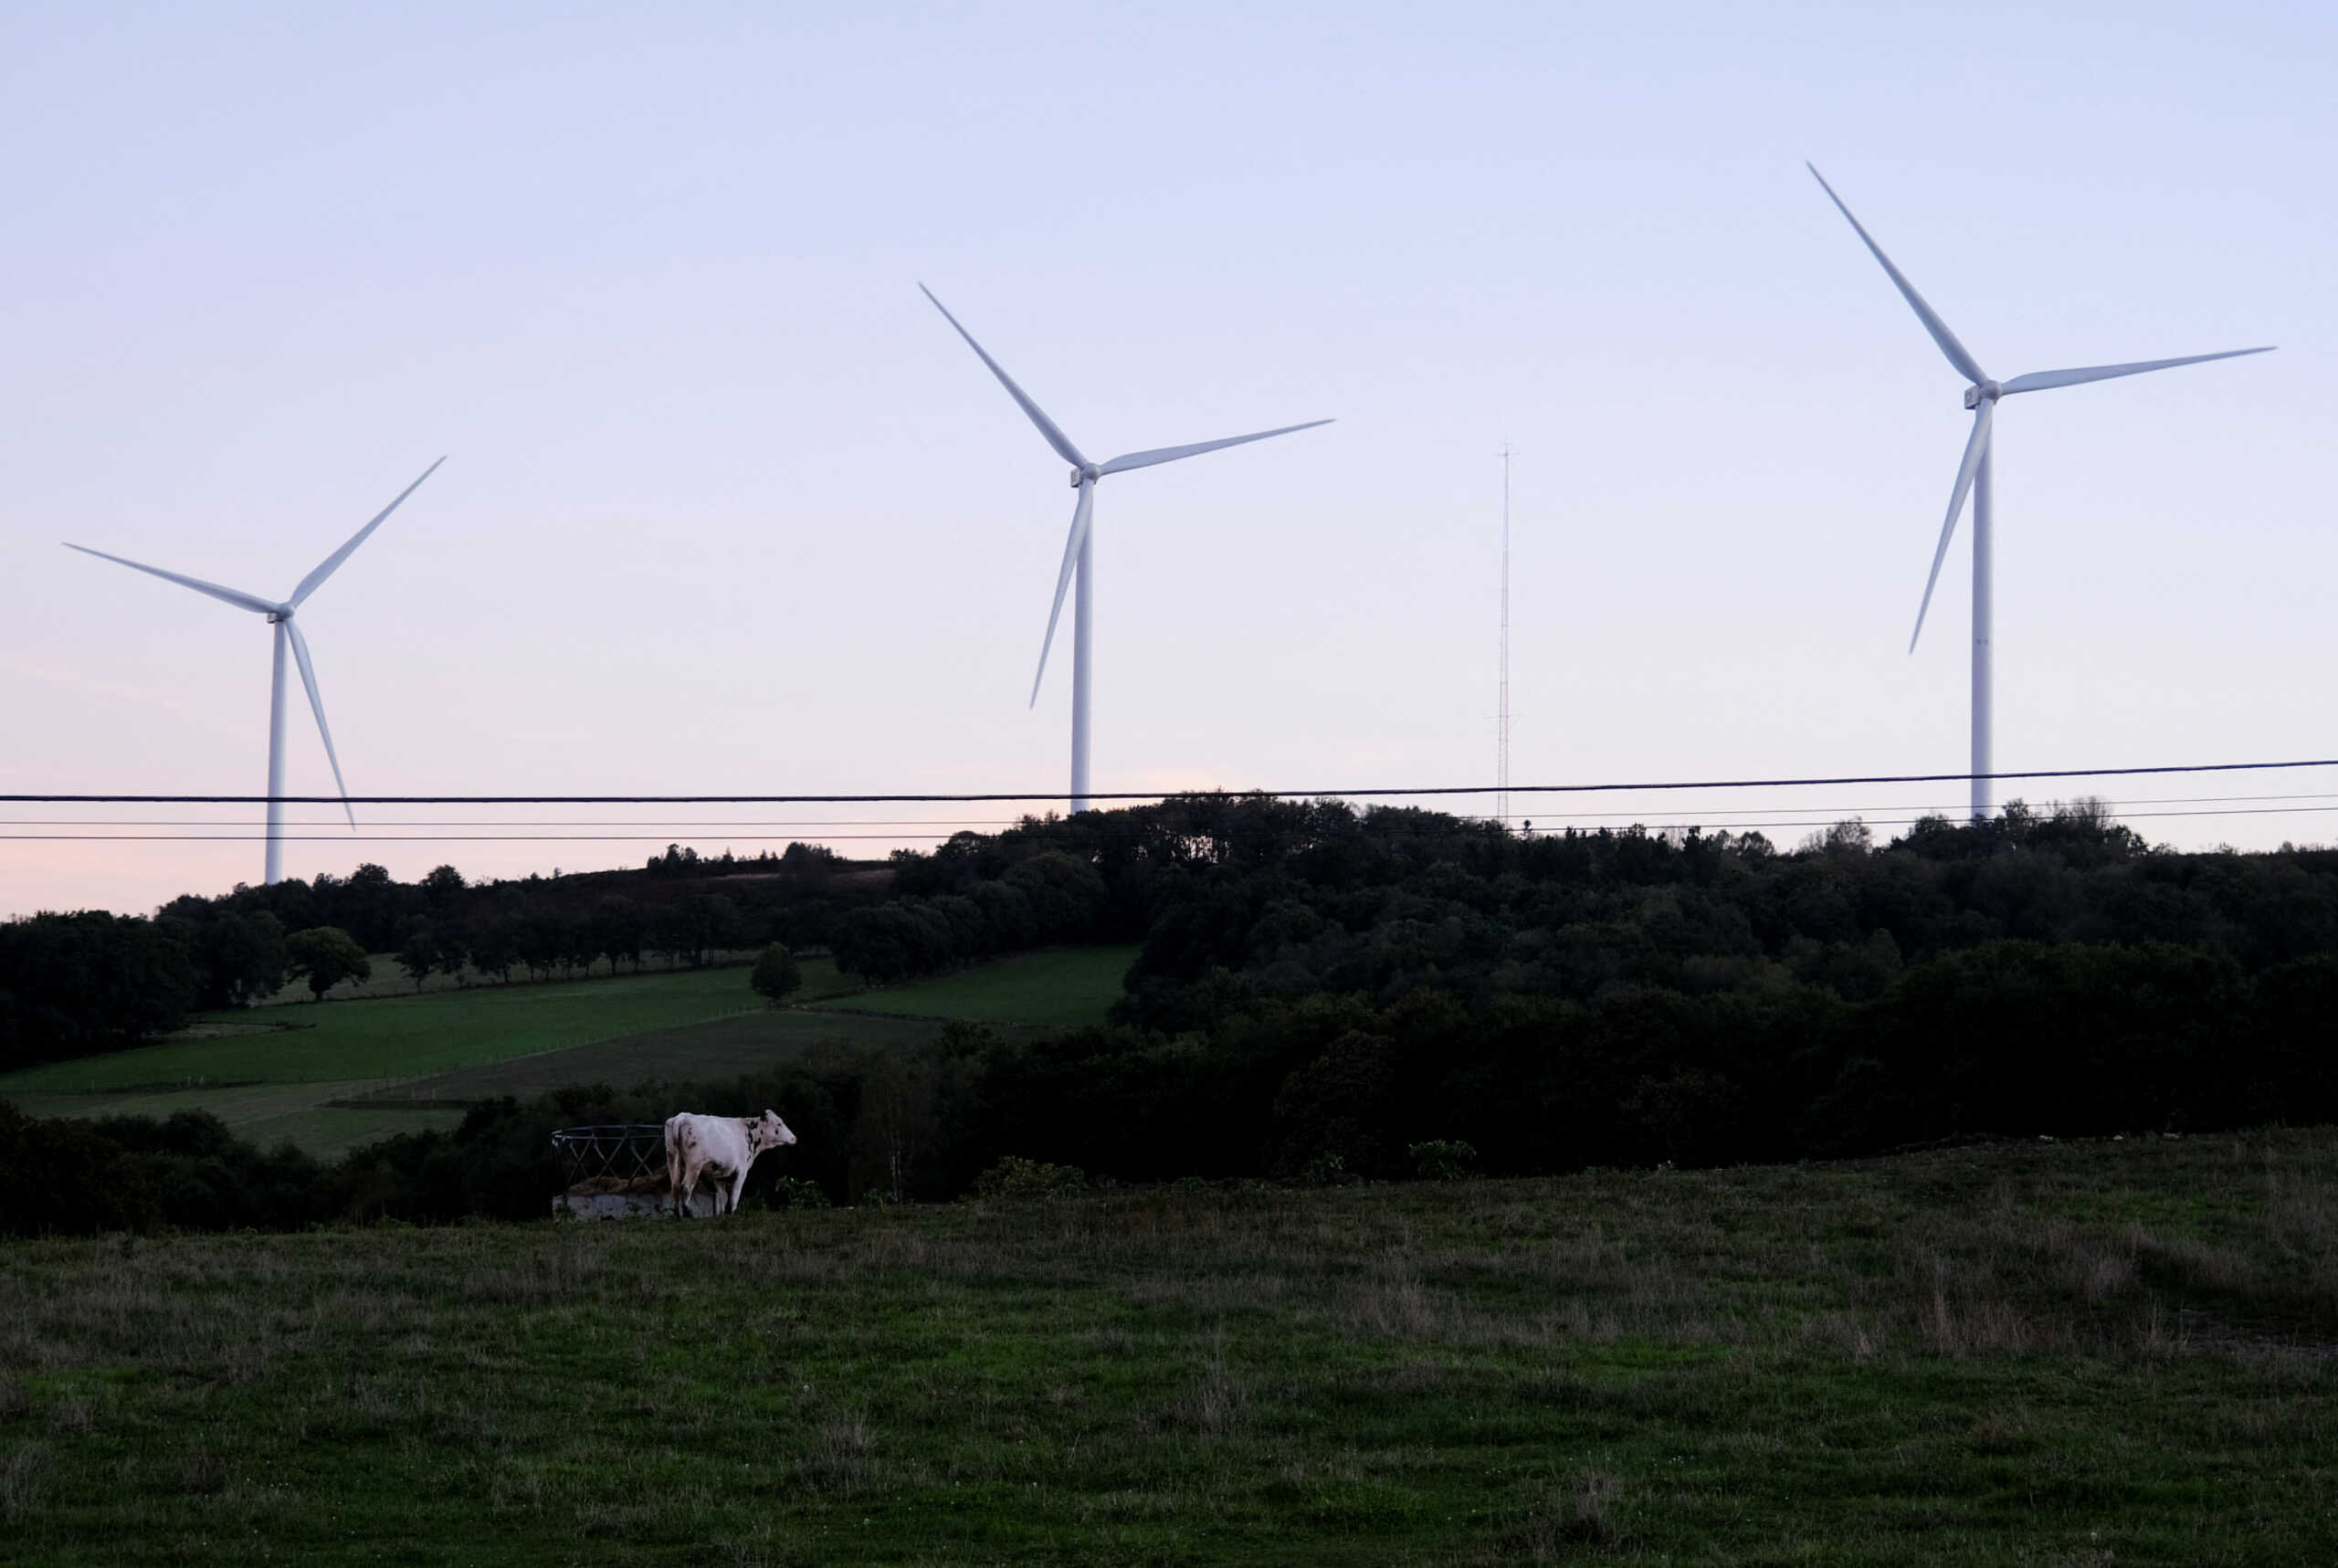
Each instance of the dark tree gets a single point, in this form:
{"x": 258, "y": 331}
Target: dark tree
{"x": 419, "y": 954}
{"x": 616, "y": 930}
{"x": 495, "y": 947}
{"x": 442, "y": 890}
{"x": 241, "y": 958}
{"x": 776, "y": 974}
{"x": 540, "y": 940}
{"x": 325, "y": 956}
{"x": 79, "y": 983}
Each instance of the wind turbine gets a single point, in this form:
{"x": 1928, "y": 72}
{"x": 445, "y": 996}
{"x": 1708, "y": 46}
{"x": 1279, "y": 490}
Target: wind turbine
{"x": 1973, "y": 474}
{"x": 1076, "y": 555}
{"x": 279, "y": 616}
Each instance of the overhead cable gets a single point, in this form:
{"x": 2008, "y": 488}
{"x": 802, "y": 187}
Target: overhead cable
{"x": 1375, "y": 791}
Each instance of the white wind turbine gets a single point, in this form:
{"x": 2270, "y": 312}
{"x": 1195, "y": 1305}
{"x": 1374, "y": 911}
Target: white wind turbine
{"x": 279, "y": 616}
{"x": 1973, "y": 475}
{"x": 1076, "y": 552}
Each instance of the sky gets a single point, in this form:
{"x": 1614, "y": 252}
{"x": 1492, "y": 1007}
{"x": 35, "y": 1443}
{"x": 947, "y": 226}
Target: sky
{"x": 728, "y": 508}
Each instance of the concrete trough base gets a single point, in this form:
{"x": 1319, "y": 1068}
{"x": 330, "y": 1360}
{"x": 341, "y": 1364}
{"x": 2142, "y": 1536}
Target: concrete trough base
{"x": 627, "y": 1205}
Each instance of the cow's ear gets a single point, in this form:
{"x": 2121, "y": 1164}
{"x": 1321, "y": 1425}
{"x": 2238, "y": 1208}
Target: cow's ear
{"x": 768, "y": 1111}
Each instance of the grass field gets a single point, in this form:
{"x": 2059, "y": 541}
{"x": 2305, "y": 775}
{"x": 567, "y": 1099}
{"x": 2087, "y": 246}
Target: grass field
{"x": 2070, "y": 1355}
{"x": 277, "y": 1073}
{"x": 333, "y": 1075}
{"x": 717, "y": 1049}
{"x": 1062, "y": 988}
{"x": 403, "y": 1036}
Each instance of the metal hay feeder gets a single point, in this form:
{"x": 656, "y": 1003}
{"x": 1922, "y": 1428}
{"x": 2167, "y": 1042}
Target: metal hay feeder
{"x": 616, "y": 1171}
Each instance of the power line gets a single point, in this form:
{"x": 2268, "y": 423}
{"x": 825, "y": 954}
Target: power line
{"x": 548, "y": 822}
{"x": 1374, "y": 792}
{"x": 1723, "y": 824}
{"x": 1817, "y": 817}
{"x": 423, "y": 837}
{"x": 1824, "y": 813}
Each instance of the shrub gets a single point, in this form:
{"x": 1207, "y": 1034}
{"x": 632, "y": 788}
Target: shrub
{"x": 789, "y": 1192}
{"x": 1442, "y": 1159}
{"x": 1016, "y": 1179}
{"x": 777, "y": 975}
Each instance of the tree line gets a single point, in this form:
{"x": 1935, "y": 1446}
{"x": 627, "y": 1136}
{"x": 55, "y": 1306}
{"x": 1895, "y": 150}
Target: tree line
{"x": 87, "y": 981}
{"x": 1323, "y": 990}
{"x": 90, "y": 982}
{"x": 1320, "y": 990}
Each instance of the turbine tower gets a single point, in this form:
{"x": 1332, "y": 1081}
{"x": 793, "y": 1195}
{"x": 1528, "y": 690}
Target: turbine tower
{"x": 280, "y": 616}
{"x": 1077, "y": 554}
{"x": 1972, "y": 475}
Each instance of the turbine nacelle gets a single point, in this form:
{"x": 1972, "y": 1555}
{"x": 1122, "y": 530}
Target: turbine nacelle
{"x": 1086, "y": 474}
{"x": 1983, "y": 392}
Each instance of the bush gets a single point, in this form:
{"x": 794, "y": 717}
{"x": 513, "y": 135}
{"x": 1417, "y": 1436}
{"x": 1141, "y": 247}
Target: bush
{"x": 777, "y": 975}
{"x": 1335, "y": 1108}
{"x": 1442, "y": 1159}
{"x": 1014, "y": 1179}
{"x": 131, "y": 1173}
{"x": 794, "y": 1192}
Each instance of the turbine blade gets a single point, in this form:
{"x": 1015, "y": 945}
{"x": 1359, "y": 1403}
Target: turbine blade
{"x": 234, "y": 597}
{"x": 1171, "y": 454}
{"x": 317, "y": 706}
{"x": 1965, "y": 362}
{"x": 326, "y": 567}
{"x": 1976, "y": 446}
{"x": 1080, "y": 516}
{"x": 1056, "y": 437}
{"x": 2038, "y": 380}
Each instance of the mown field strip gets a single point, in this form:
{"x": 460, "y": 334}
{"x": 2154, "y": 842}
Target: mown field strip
{"x": 1065, "y": 988}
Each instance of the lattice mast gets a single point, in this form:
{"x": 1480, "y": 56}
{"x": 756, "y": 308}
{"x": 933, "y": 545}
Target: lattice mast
{"x": 1502, "y": 706}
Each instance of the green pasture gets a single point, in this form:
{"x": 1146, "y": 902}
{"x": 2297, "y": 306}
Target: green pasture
{"x": 404, "y": 1037}
{"x": 1062, "y": 988}
{"x": 331, "y": 1075}
{"x": 2010, "y": 1354}
{"x": 290, "y": 1072}
{"x": 717, "y": 1049}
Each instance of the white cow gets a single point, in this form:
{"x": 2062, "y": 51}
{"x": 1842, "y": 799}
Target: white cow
{"x": 721, "y": 1147}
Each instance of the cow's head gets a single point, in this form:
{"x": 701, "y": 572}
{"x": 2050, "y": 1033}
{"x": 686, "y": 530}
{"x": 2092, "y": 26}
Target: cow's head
{"x": 768, "y": 1132}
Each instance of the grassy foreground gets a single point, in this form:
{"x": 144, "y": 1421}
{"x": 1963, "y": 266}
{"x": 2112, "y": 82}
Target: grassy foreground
{"x": 2114, "y": 1353}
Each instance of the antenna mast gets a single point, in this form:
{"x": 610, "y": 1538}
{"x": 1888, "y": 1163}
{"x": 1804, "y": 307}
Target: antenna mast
{"x": 1501, "y": 720}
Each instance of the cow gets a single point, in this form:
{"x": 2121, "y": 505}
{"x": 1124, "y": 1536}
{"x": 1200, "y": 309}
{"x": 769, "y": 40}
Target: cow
{"x": 721, "y": 1147}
